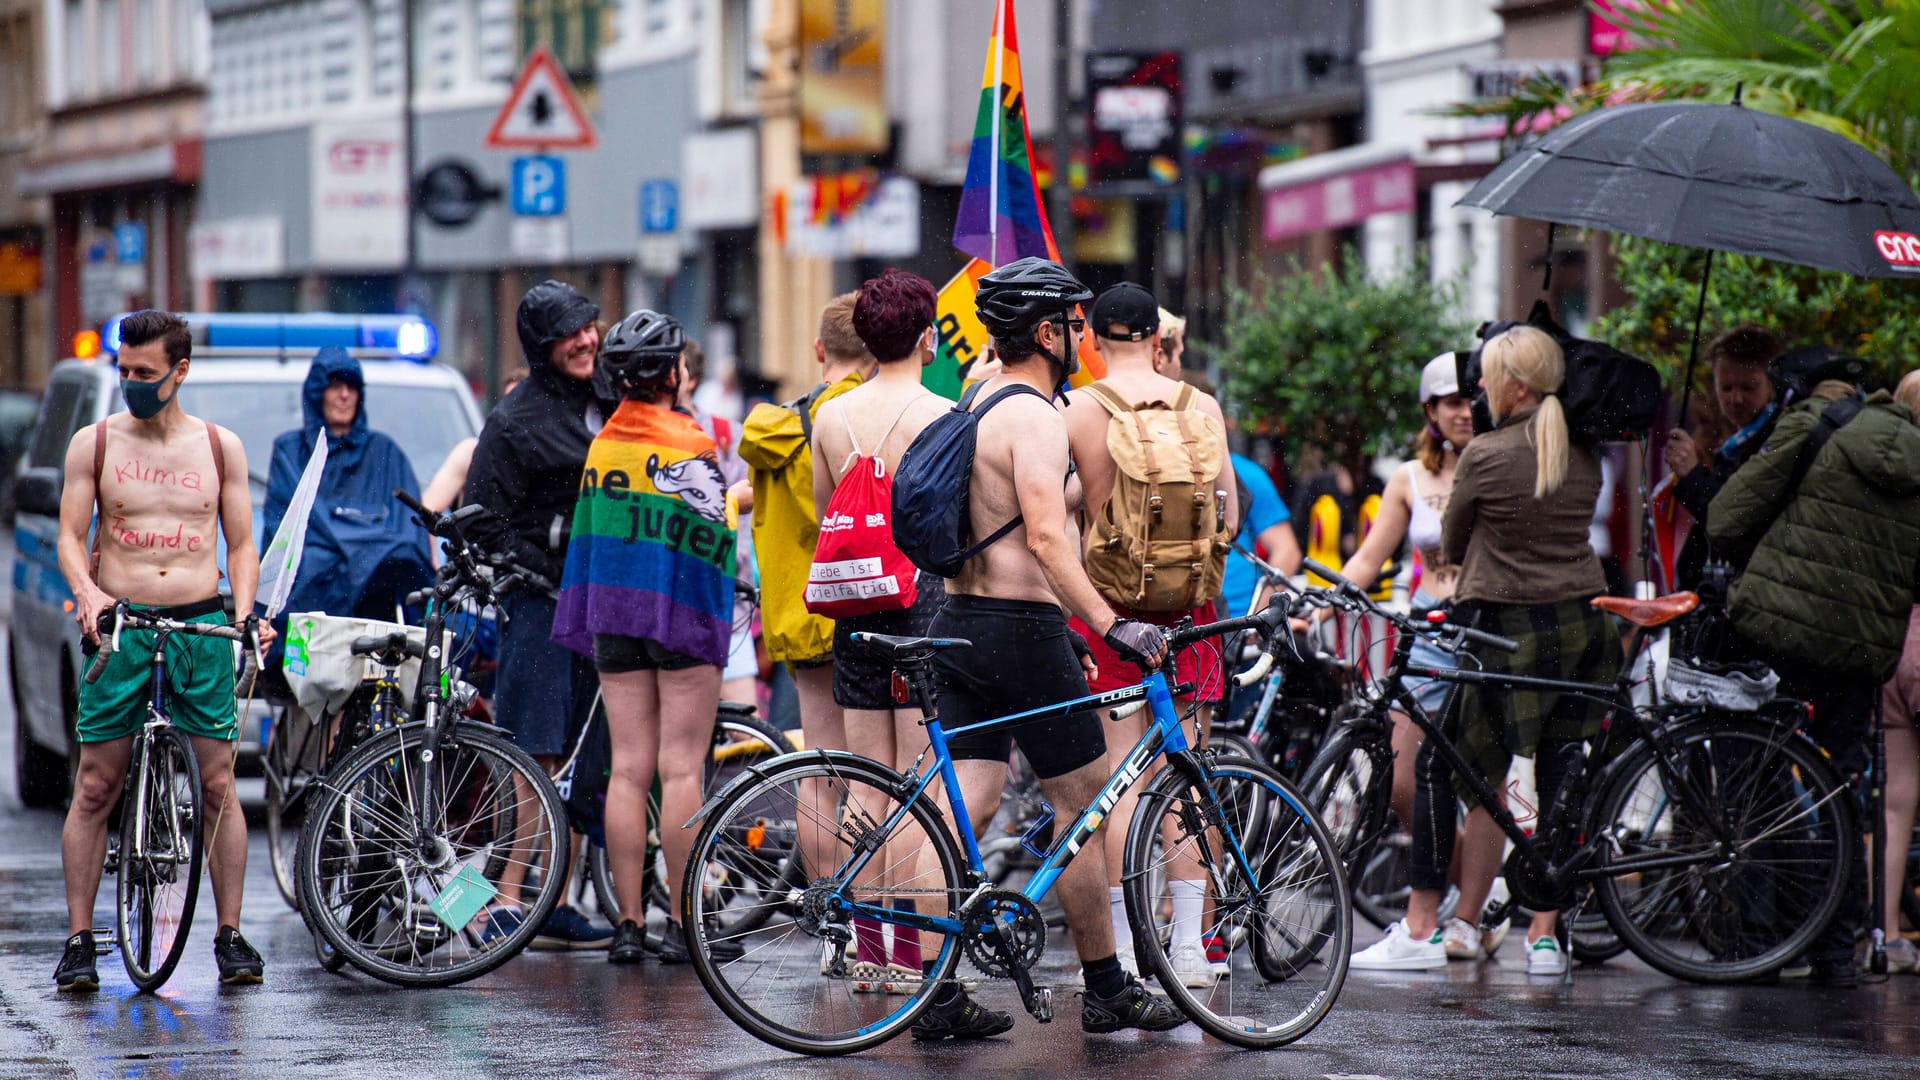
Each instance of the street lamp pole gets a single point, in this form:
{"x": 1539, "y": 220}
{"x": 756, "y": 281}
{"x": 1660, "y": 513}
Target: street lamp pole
{"x": 409, "y": 251}
{"x": 1060, "y": 194}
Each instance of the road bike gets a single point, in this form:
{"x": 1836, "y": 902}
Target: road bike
{"x": 417, "y": 844}
{"x": 1715, "y": 842}
{"x": 875, "y": 845}
{"x": 162, "y": 840}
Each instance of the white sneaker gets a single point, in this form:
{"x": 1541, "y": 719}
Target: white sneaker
{"x": 1902, "y": 956}
{"x": 1462, "y": 940}
{"x": 1545, "y": 958}
{"x": 1190, "y": 966}
{"x": 1398, "y": 951}
{"x": 1491, "y": 940}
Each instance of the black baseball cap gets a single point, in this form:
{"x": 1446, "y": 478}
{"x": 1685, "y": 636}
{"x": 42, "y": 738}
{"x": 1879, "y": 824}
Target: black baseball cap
{"x": 1130, "y": 306}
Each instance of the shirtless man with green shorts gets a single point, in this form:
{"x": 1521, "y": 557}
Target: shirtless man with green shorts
{"x": 161, "y": 495}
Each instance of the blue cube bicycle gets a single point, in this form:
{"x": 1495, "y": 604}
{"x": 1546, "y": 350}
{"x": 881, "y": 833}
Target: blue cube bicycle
{"x": 868, "y": 839}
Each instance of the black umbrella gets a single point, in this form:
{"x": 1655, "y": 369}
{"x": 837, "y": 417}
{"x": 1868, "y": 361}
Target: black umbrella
{"x": 1719, "y": 177}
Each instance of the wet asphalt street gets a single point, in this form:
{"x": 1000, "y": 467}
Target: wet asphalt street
{"x": 563, "y": 1016}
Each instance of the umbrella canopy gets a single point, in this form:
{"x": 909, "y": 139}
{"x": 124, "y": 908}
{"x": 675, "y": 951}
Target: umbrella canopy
{"x": 1720, "y": 177}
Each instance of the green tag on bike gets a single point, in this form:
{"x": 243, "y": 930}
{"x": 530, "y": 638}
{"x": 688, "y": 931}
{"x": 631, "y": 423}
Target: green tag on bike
{"x": 466, "y": 893}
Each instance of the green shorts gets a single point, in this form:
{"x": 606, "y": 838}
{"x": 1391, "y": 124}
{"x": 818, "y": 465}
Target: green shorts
{"x": 199, "y": 681}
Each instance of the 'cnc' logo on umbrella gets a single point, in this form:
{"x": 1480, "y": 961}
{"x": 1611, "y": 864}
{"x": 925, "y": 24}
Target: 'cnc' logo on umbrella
{"x": 1900, "y": 249}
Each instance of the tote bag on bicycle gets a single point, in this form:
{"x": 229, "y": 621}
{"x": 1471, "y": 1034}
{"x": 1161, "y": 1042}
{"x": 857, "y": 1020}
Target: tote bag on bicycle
{"x": 856, "y": 569}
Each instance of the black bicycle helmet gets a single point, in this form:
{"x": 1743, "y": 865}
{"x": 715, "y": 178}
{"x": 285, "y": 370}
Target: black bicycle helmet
{"x": 1025, "y": 293}
{"x": 642, "y": 348}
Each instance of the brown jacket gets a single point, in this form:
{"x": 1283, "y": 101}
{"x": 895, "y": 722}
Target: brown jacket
{"x": 1513, "y": 548}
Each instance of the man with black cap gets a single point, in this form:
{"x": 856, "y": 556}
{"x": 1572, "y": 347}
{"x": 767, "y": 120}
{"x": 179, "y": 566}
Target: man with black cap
{"x": 1131, "y": 407}
{"x": 526, "y": 472}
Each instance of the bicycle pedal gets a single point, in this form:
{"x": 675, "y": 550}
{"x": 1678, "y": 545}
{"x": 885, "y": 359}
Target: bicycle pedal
{"x": 1041, "y": 1006}
{"x": 105, "y": 940}
{"x": 112, "y": 864}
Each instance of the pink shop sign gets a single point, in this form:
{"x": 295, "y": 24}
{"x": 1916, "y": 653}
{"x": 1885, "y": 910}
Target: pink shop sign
{"x": 1336, "y": 202}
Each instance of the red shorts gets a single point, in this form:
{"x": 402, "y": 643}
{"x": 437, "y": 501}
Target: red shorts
{"x": 1198, "y": 663}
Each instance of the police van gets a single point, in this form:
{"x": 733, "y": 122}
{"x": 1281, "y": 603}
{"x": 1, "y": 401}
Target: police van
{"x": 247, "y": 376}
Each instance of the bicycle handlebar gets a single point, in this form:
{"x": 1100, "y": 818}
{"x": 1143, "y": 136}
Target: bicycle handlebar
{"x": 1347, "y": 594}
{"x": 121, "y": 614}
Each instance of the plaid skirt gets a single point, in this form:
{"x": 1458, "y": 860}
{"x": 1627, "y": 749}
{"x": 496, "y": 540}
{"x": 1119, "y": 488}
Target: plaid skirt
{"x": 1568, "y": 640}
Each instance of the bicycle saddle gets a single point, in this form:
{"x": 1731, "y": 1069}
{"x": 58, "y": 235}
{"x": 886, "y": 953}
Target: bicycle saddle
{"x": 899, "y": 645}
{"x": 1658, "y": 611}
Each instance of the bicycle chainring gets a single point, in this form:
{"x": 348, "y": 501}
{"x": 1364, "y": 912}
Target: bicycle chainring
{"x": 1004, "y": 930}
{"x": 1533, "y": 891}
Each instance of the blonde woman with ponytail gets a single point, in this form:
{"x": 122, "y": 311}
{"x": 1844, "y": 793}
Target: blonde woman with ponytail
{"x": 1516, "y": 524}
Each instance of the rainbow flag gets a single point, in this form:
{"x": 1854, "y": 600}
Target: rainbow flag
{"x": 652, "y": 551}
{"x": 1001, "y": 218}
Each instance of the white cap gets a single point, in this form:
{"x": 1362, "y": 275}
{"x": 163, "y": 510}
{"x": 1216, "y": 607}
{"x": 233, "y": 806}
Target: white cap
{"x": 1440, "y": 379}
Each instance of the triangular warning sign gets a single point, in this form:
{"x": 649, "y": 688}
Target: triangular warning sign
{"x": 542, "y": 112}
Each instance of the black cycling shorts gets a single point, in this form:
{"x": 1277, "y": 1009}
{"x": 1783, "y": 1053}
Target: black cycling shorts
{"x": 617, "y": 654}
{"x": 1022, "y": 658}
{"x": 863, "y": 674}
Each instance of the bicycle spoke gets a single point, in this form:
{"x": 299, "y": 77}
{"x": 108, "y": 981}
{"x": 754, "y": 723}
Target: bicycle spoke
{"x": 1264, "y": 882}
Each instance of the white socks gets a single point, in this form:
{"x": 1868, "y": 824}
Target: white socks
{"x": 1189, "y": 900}
{"x": 1117, "y": 915}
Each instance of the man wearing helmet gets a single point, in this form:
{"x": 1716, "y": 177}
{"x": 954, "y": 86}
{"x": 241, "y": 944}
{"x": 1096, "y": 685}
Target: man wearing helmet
{"x": 648, "y": 594}
{"x": 1007, "y": 602}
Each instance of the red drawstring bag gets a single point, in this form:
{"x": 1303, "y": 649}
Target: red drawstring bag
{"x": 856, "y": 569}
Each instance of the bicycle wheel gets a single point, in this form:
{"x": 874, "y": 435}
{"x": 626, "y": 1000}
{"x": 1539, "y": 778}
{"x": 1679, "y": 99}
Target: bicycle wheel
{"x": 792, "y": 988}
{"x": 1248, "y": 861}
{"x": 1719, "y": 911}
{"x": 741, "y": 740}
{"x": 1349, "y": 786}
{"x": 412, "y": 907}
{"x": 291, "y": 763}
{"x": 160, "y": 855}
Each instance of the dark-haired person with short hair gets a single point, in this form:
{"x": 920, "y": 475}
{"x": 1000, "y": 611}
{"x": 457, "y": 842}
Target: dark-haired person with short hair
{"x": 169, "y": 487}
{"x": 1007, "y": 601}
{"x": 893, "y": 314}
{"x": 1744, "y": 393}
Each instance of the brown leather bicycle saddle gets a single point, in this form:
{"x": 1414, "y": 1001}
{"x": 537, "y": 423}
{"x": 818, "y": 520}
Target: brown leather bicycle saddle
{"x": 1658, "y": 611}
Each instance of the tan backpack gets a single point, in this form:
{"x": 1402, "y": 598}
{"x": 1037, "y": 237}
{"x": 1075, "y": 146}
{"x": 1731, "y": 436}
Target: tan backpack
{"x": 1160, "y": 543}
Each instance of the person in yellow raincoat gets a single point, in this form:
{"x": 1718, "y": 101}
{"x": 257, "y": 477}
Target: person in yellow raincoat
{"x": 779, "y": 490}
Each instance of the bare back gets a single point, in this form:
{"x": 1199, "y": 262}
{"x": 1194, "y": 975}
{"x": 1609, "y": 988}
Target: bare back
{"x": 159, "y": 498}
{"x": 1009, "y": 569}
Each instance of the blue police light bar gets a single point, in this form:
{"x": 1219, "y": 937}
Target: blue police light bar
{"x": 406, "y": 336}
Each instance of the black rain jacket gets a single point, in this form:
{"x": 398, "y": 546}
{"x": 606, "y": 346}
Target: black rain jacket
{"x": 526, "y": 466}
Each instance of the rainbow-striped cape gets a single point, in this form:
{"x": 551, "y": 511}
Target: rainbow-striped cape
{"x": 652, "y": 553}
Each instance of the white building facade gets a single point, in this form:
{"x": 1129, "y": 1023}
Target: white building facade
{"x": 1422, "y": 55}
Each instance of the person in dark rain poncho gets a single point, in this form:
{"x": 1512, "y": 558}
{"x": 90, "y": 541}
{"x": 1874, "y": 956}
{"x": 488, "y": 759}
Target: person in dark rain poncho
{"x": 364, "y": 551}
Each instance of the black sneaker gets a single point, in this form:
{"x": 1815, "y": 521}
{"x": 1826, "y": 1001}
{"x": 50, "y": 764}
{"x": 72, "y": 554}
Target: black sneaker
{"x": 1132, "y": 1007}
{"x": 239, "y": 964}
{"x": 76, "y": 973}
{"x": 960, "y": 1017}
{"x": 629, "y": 944}
{"x": 1838, "y": 973}
{"x": 673, "y": 947}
